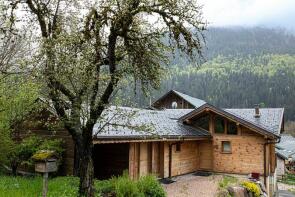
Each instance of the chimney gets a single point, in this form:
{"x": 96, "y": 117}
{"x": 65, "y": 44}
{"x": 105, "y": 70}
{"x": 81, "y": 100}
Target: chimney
{"x": 257, "y": 112}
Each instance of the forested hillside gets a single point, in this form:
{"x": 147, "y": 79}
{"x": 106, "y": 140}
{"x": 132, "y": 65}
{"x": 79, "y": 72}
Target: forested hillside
{"x": 244, "y": 67}
{"x": 243, "y": 42}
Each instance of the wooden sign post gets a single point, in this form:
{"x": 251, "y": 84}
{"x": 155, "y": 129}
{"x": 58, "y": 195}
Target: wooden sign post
{"x": 46, "y": 166}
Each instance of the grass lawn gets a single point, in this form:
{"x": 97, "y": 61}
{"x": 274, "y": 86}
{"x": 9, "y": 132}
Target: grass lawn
{"x": 30, "y": 187}
{"x": 289, "y": 179}
{"x": 122, "y": 186}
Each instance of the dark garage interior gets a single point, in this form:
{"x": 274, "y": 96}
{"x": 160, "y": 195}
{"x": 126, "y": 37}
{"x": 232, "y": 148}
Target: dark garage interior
{"x": 110, "y": 160}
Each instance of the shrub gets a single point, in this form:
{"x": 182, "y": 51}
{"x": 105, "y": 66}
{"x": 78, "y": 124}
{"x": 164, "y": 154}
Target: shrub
{"x": 150, "y": 187}
{"x": 24, "y": 150}
{"x": 252, "y": 187}
{"x": 27, "y": 148}
{"x": 226, "y": 181}
{"x": 104, "y": 187}
{"x": 53, "y": 145}
{"x": 125, "y": 187}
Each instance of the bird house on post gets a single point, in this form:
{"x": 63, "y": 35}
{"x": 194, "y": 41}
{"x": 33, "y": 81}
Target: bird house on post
{"x": 46, "y": 166}
{"x": 45, "y": 162}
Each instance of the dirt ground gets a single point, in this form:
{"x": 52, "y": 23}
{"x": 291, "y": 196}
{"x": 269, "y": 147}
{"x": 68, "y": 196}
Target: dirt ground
{"x": 193, "y": 186}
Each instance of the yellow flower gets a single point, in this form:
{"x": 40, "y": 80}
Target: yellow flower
{"x": 251, "y": 187}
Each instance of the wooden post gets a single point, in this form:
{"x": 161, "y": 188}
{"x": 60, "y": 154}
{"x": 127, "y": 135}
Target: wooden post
{"x": 45, "y": 184}
{"x": 170, "y": 160}
{"x": 45, "y": 166}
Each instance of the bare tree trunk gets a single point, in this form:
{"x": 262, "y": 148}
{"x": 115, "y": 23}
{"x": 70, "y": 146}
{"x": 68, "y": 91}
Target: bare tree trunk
{"x": 86, "y": 170}
{"x": 14, "y": 166}
{"x": 77, "y": 160}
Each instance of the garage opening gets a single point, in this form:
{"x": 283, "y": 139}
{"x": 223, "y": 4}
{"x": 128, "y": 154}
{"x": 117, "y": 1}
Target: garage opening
{"x": 110, "y": 160}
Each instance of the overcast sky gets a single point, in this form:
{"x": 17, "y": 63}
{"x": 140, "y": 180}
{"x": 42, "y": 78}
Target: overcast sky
{"x": 269, "y": 13}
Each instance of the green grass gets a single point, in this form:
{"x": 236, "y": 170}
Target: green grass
{"x": 224, "y": 183}
{"x": 68, "y": 186}
{"x": 29, "y": 187}
{"x": 289, "y": 179}
{"x": 227, "y": 181}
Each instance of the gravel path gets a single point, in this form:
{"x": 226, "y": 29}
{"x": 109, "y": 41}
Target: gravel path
{"x": 282, "y": 186}
{"x": 192, "y": 186}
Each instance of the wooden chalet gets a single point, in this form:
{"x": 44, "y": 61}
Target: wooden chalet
{"x": 181, "y": 134}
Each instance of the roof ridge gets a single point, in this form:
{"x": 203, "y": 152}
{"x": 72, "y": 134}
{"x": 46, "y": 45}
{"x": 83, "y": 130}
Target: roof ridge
{"x": 254, "y": 108}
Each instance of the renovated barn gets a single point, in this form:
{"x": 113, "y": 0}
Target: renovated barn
{"x": 180, "y": 134}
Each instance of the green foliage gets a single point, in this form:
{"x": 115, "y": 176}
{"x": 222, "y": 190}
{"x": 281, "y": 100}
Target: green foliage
{"x": 147, "y": 186}
{"x": 125, "y": 187}
{"x": 29, "y": 146}
{"x": 227, "y": 181}
{"x": 150, "y": 186}
{"x": 68, "y": 187}
{"x": 17, "y": 99}
{"x": 55, "y": 145}
{"x": 288, "y": 179}
{"x": 233, "y": 82}
{"x": 6, "y": 145}
{"x": 27, "y": 187}
{"x": 252, "y": 187}
{"x": 25, "y": 149}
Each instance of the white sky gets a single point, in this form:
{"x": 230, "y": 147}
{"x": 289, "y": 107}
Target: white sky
{"x": 272, "y": 13}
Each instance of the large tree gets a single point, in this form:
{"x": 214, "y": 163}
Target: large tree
{"x": 88, "y": 47}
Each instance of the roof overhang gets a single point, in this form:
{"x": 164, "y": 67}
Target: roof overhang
{"x": 126, "y": 139}
{"x": 207, "y": 107}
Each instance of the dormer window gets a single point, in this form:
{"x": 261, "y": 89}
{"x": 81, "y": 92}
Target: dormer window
{"x": 232, "y": 128}
{"x": 219, "y": 124}
{"x": 203, "y": 122}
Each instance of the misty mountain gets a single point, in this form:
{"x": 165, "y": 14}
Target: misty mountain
{"x": 244, "y": 66}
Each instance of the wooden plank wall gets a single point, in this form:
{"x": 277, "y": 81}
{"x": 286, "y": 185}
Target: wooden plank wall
{"x": 205, "y": 155}
{"x": 153, "y": 157}
{"x": 186, "y": 160}
{"x": 144, "y": 158}
{"x": 167, "y": 102}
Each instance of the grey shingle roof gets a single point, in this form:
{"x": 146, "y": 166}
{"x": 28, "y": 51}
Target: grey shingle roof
{"x": 124, "y": 122}
{"x": 270, "y": 118}
{"x": 286, "y": 147}
{"x": 192, "y": 100}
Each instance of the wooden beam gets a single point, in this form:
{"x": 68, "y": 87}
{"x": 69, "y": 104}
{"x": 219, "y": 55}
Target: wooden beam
{"x": 96, "y": 141}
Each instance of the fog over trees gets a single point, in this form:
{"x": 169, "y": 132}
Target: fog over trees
{"x": 244, "y": 67}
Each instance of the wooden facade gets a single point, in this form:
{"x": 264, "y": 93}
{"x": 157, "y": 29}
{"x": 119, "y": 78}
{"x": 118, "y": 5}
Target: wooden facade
{"x": 233, "y": 147}
{"x": 246, "y": 156}
{"x": 144, "y": 157}
{"x": 167, "y": 100}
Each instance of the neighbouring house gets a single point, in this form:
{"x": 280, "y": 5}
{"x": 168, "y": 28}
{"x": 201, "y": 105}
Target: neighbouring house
{"x": 180, "y": 134}
{"x": 285, "y": 151}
